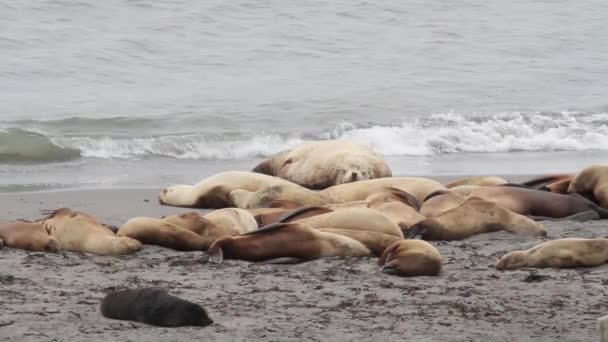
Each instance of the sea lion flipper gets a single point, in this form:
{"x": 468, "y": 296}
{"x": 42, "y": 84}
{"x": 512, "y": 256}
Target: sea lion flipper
{"x": 414, "y": 231}
{"x": 216, "y": 255}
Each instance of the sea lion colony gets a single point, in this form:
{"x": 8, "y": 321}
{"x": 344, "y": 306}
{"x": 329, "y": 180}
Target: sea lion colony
{"x": 263, "y": 218}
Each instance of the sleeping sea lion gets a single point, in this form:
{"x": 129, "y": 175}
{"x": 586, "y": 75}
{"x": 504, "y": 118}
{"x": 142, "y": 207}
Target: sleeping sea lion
{"x": 79, "y": 232}
{"x": 399, "y": 206}
{"x": 374, "y": 241}
{"x": 285, "y": 242}
{"x": 561, "y": 253}
{"x": 439, "y": 202}
{"x": 272, "y": 193}
{"x": 162, "y": 232}
{"x": 153, "y": 306}
{"x": 411, "y": 258}
{"x": 475, "y": 216}
{"x": 592, "y": 180}
{"x": 321, "y": 164}
{"x": 480, "y": 181}
{"x": 27, "y": 235}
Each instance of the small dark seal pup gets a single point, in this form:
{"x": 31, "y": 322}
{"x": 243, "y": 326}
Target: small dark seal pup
{"x": 153, "y": 306}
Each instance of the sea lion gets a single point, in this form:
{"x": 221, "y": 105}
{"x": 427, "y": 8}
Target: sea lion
{"x": 321, "y": 164}
{"x": 475, "y": 216}
{"x": 411, "y": 258}
{"x": 272, "y": 193}
{"x": 153, "y": 306}
{"x": 418, "y": 187}
{"x": 560, "y": 187}
{"x": 356, "y": 218}
{"x": 439, "y": 202}
{"x": 592, "y": 180}
{"x": 541, "y": 182}
{"x": 214, "y": 192}
{"x": 161, "y": 232}
{"x": 27, "y": 235}
{"x": 374, "y": 241}
{"x": 464, "y": 190}
{"x": 561, "y": 253}
{"x": 540, "y": 204}
{"x": 285, "y": 242}
{"x": 480, "y": 181}
{"x": 79, "y": 232}
{"x": 399, "y": 206}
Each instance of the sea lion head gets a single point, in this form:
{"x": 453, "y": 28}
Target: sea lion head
{"x": 411, "y": 258}
{"x": 511, "y": 261}
{"x": 52, "y": 246}
{"x": 176, "y": 195}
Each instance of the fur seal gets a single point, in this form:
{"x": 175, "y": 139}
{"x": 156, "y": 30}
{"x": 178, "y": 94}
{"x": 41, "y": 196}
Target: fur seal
{"x": 285, "y": 242}
{"x": 79, "y": 232}
{"x": 439, "y": 202}
{"x": 411, "y": 258}
{"x": 539, "y": 204}
{"x": 214, "y": 192}
{"x": 153, "y": 306}
{"x": 321, "y": 164}
{"x": 561, "y": 253}
{"x": 592, "y": 180}
{"x": 355, "y": 218}
{"x": 479, "y": 181}
{"x": 350, "y": 192}
{"x": 475, "y": 216}
{"x": 280, "y": 192}
{"x": 27, "y": 235}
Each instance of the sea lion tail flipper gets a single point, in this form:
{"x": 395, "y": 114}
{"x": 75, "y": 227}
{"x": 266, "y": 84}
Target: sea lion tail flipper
{"x": 414, "y": 231}
{"x": 216, "y": 255}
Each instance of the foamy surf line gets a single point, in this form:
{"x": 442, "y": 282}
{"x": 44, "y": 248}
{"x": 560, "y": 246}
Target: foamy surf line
{"x": 434, "y": 135}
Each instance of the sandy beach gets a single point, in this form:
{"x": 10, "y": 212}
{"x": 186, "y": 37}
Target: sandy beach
{"x": 55, "y": 297}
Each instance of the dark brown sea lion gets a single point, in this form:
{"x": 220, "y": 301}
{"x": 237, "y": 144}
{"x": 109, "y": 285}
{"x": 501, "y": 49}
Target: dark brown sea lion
{"x": 153, "y": 306}
{"x": 411, "y": 258}
{"x": 27, "y": 235}
{"x": 281, "y": 241}
{"x": 561, "y": 253}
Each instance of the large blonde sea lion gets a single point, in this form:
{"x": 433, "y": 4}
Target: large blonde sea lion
{"x": 475, "y": 216}
{"x": 561, "y": 253}
{"x": 418, "y": 187}
{"x": 318, "y": 165}
{"x": 79, "y": 232}
{"x": 27, "y": 235}
{"x": 540, "y": 204}
{"x": 355, "y": 218}
{"x": 285, "y": 242}
{"x": 214, "y": 192}
{"x": 411, "y": 258}
{"x": 480, "y": 181}
{"x": 592, "y": 180}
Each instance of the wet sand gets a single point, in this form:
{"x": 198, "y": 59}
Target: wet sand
{"x": 55, "y": 297}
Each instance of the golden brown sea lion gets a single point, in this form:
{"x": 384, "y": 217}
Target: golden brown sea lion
{"x": 441, "y": 202}
{"x": 285, "y": 242}
{"x": 592, "y": 180}
{"x": 561, "y": 253}
{"x": 27, "y": 235}
{"x": 79, "y": 232}
{"x": 213, "y": 192}
{"x": 540, "y": 204}
{"x": 318, "y": 165}
{"x": 480, "y": 181}
{"x": 418, "y": 187}
{"x": 374, "y": 241}
{"x": 231, "y": 221}
{"x": 355, "y": 218}
{"x": 399, "y": 206}
{"x": 161, "y": 232}
{"x": 560, "y": 187}
{"x": 411, "y": 258}
{"x": 281, "y": 192}
{"x": 475, "y": 216}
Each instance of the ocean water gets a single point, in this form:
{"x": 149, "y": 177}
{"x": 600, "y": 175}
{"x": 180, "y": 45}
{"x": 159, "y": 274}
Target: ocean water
{"x": 149, "y": 93}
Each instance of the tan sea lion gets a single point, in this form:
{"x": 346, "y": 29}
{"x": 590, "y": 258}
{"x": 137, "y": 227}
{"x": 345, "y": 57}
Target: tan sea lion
{"x": 475, "y": 216}
{"x": 561, "y": 253}
{"x": 439, "y": 202}
{"x": 280, "y": 192}
{"x": 399, "y": 206}
{"x": 541, "y": 182}
{"x": 214, "y": 192}
{"x": 355, "y": 218}
{"x": 374, "y": 241}
{"x": 231, "y": 221}
{"x": 480, "y": 181}
{"x": 418, "y": 187}
{"x": 161, "y": 232}
{"x": 592, "y": 180}
{"x": 411, "y": 258}
{"x": 560, "y": 187}
{"x": 27, "y": 235}
{"x": 540, "y": 204}
{"x": 464, "y": 190}
{"x": 79, "y": 232}
{"x": 318, "y": 165}
{"x": 285, "y": 242}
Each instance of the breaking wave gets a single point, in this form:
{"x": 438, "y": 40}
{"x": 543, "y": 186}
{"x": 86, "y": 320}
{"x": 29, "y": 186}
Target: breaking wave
{"x": 433, "y": 135}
